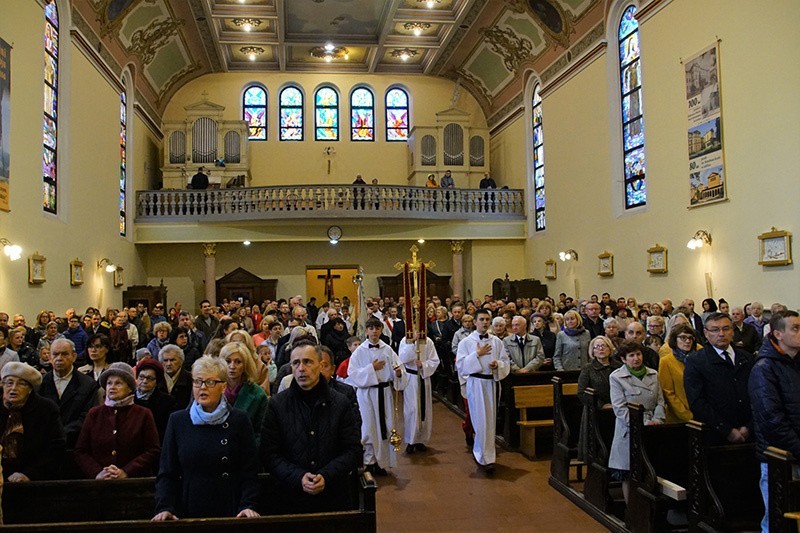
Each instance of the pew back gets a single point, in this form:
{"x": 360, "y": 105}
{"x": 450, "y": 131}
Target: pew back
{"x": 784, "y": 491}
{"x": 567, "y": 414}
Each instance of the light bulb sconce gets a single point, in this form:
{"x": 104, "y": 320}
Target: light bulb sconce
{"x": 106, "y": 262}
{"x": 568, "y": 255}
{"x": 11, "y": 250}
{"x": 700, "y": 239}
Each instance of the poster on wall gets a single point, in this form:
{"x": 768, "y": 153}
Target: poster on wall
{"x": 707, "y": 179}
{"x": 5, "y": 121}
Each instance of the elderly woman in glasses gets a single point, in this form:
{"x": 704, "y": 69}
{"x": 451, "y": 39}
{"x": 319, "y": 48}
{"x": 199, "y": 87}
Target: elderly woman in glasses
{"x": 151, "y": 393}
{"x": 595, "y": 375}
{"x": 682, "y": 342}
{"x": 209, "y": 457}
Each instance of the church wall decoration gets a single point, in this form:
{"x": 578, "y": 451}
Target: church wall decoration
{"x": 707, "y": 177}
{"x": 5, "y": 122}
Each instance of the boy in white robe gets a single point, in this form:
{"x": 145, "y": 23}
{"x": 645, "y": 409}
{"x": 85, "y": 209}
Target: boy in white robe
{"x": 482, "y": 361}
{"x": 374, "y": 369}
{"x": 417, "y": 399}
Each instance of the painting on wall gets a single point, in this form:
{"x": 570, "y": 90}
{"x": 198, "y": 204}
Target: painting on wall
{"x": 707, "y": 178}
{"x": 5, "y": 121}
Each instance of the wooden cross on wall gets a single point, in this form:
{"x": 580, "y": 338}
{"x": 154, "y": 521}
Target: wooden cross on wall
{"x": 328, "y": 277}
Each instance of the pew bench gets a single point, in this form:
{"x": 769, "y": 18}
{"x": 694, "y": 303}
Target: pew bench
{"x": 533, "y": 397}
{"x": 128, "y": 504}
{"x": 784, "y": 491}
{"x": 567, "y": 414}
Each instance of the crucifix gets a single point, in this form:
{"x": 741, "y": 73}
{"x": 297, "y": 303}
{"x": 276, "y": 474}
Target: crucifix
{"x": 329, "y": 152}
{"x": 328, "y": 277}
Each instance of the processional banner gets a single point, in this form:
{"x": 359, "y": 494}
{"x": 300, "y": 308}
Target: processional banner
{"x": 5, "y": 121}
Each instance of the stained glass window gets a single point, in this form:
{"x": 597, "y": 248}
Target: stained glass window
{"x": 396, "y": 115}
{"x": 254, "y": 108}
{"x": 362, "y": 115}
{"x": 326, "y": 114}
{"x": 123, "y": 164}
{"x": 50, "y": 111}
{"x": 291, "y": 114}
{"x": 538, "y": 160}
{"x": 632, "y": 116}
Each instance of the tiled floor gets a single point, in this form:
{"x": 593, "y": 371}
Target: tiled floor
{"x": 442, "y": 490}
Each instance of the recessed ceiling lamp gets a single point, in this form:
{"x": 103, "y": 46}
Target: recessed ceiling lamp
{"x": 329, "y": 52}
{"x": 404, "y": 53}
{"x": 247, "y": 243}
{"x": 421, "y": 241}
{"x": 416, "y": 27}
{"x": 247, "y": 24}
{"x": 252, "y": 52}
{"x": 429, "y": 3}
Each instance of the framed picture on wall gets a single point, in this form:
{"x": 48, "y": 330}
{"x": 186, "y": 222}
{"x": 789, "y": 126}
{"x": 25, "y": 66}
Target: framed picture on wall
{"x": 775, "y": 248}
{"x": 36, "y": 269}
{"x": 76, "y": 272}
{"x": 605, "y": 264}
{"x": 550, "y": 271}
{"x": 118, "y": 280}
{"x": 657, "y": 259}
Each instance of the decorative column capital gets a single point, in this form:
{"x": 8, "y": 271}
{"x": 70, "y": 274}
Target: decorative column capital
{"x": 457, "y": 247}
{"x": 209, "y": 249}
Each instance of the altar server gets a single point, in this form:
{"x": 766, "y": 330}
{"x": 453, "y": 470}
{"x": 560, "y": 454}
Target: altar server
{"x": 417, "y": 400}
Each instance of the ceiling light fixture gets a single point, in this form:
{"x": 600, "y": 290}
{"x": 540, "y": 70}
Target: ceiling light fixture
{"x": 404, "y": 53}
{"x": 700, "y": 239}
{"x": 11, "y": 250}
{"x": 247, "y": 24}
{"x": 329, "y": 52}
{"x": 247, "y": 243}
{"x": 421, "y": 241}
{"x": 429, "y": 3}
{"x": 416, "y": 27}
{"x": 252, "y": 52}
{"x": 568, "y": 255}
{"x": 110, "y": 267}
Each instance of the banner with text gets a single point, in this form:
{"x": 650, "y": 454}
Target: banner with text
{"x": 5, "y": 121}
{"x": 707, "y": 180}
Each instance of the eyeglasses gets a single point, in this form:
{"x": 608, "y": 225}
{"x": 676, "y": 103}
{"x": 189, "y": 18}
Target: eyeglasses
{"x": 12, "y": 383}
{"x": 198, "y": 383}
{"x": 146, "y": 378}
{"x": 687, "y": 338}
{"x": 599, "y": 347}
{"x": 724, "y": 329}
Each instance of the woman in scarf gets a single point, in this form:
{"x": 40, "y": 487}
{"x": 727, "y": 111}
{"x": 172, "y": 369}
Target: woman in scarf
{"x": 118, "y": 439}
{"x": 572, "y": 344}
{"x": 242, "y": 391}
{"x": 151, "y": 392}
{"x": 336, "y": 340}
{"x": 209, "y": 458}
{"x": 31, "y": 434}
{"x": 161, "y": 333}
{"x": 682, "y": 342}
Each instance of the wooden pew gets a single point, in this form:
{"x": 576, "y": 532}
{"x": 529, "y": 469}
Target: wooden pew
{"x": 784, "y": 491}
{"x": 659, "y": 471}
{"x": 90, "y": 505}
{"x": 508, "y": 414}
{"x": 723, "y": 484}
{"x": 567, "y": 413}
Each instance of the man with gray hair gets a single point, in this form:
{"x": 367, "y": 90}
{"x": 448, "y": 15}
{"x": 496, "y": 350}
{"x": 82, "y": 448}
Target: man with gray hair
{"x": 745, "y": 335}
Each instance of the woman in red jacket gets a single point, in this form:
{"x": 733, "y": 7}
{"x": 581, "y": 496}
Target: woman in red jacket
{"x": 118, "y": 439}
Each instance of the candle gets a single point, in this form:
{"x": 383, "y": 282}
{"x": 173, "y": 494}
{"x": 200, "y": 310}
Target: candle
{"x": 408, "y": 308}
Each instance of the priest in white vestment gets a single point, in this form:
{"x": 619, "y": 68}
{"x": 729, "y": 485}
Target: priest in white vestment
{"x": 417, "y": 399}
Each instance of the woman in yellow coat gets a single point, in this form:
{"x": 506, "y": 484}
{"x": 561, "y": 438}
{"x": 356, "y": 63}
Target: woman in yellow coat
{"x": 682, "y": 341}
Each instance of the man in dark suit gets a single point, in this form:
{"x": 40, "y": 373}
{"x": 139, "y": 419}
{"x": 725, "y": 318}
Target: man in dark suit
{"x": 592, "y": 321}
{"x": 97, "y": 326}
{"x": 695, "y": 320}
{"x": 716, "y": 379}
{"x": 74, "y": 393}
{"x": 745, "y": 335}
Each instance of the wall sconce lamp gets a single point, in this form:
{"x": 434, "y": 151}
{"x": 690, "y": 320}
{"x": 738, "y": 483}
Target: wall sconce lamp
{"x": 110, "y": 267}
{"x": 568, "y": 255}
{"x": 12, "y": 251}
{"x": 700, "y": 239}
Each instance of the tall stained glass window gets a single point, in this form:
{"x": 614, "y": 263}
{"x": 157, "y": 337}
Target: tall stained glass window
{"x": 123, "y": 163}
{"x": 396, "y": 115}
{"x": 291, "y": 114}
{"x": 632, "y": 117}
{"x": 362, "y": 115}
{"x": 50, "y": 122}
{"x": 254, "y": 110}
{"x": 538, "y": 160}
{"x": 326, "y": 114}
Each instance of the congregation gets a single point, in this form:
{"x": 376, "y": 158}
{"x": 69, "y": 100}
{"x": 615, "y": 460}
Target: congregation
{"x": 305, "y": 392}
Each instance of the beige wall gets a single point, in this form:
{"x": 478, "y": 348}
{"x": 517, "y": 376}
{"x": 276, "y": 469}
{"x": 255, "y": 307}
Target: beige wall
{"x": 761, "y": 128}
{"x": 87, "y": 225}
{"x": 279, "y": 163}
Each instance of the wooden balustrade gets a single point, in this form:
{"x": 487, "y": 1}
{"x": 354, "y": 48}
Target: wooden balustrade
{"x": 329, "y": 201}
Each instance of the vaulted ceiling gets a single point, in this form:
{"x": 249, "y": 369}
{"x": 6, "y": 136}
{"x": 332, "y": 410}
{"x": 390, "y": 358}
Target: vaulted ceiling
{"x": 485, "y": 44}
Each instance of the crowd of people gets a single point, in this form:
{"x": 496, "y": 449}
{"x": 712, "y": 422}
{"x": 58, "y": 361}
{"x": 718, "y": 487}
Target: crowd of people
{"x": 288, "y": 388}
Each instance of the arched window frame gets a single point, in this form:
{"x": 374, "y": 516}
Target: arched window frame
{"x": 324, "y": 131}
{"x": 127, "y": 96}
{"x": 52, "y": 52}
{"x": 359, "y": 121}
{"x": 537, "y": 160}
{"x": 264, "y": 108}
{"x": 400, "y": 132}
{"x": 282, "y": 135}
{"x": 624, "y": 172}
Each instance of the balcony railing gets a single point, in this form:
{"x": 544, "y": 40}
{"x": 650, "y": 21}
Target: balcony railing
{"x": 329, "y": 201}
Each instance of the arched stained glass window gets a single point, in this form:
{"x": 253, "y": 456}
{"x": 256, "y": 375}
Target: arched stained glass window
{"x": 396, "y": 115}
{"x": 254, "y": 111}
{"x": 123, "y": 164}
{"x": 362, "y": 115}
{"x": 50, "y": 122}
{"x": 538, "y": 160}
{"x": 326, "y": 114}
{"x": 632, "y": 116}
{"x": 291, "y": 114}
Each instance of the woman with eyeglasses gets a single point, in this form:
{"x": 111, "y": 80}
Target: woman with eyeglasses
{"x": 209, "y": 457}
{"x": 682, "y": 341}
{"x": 595, "y": 375}
{"x": 151, "y": 392}
{"x": 98, "y": 347}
